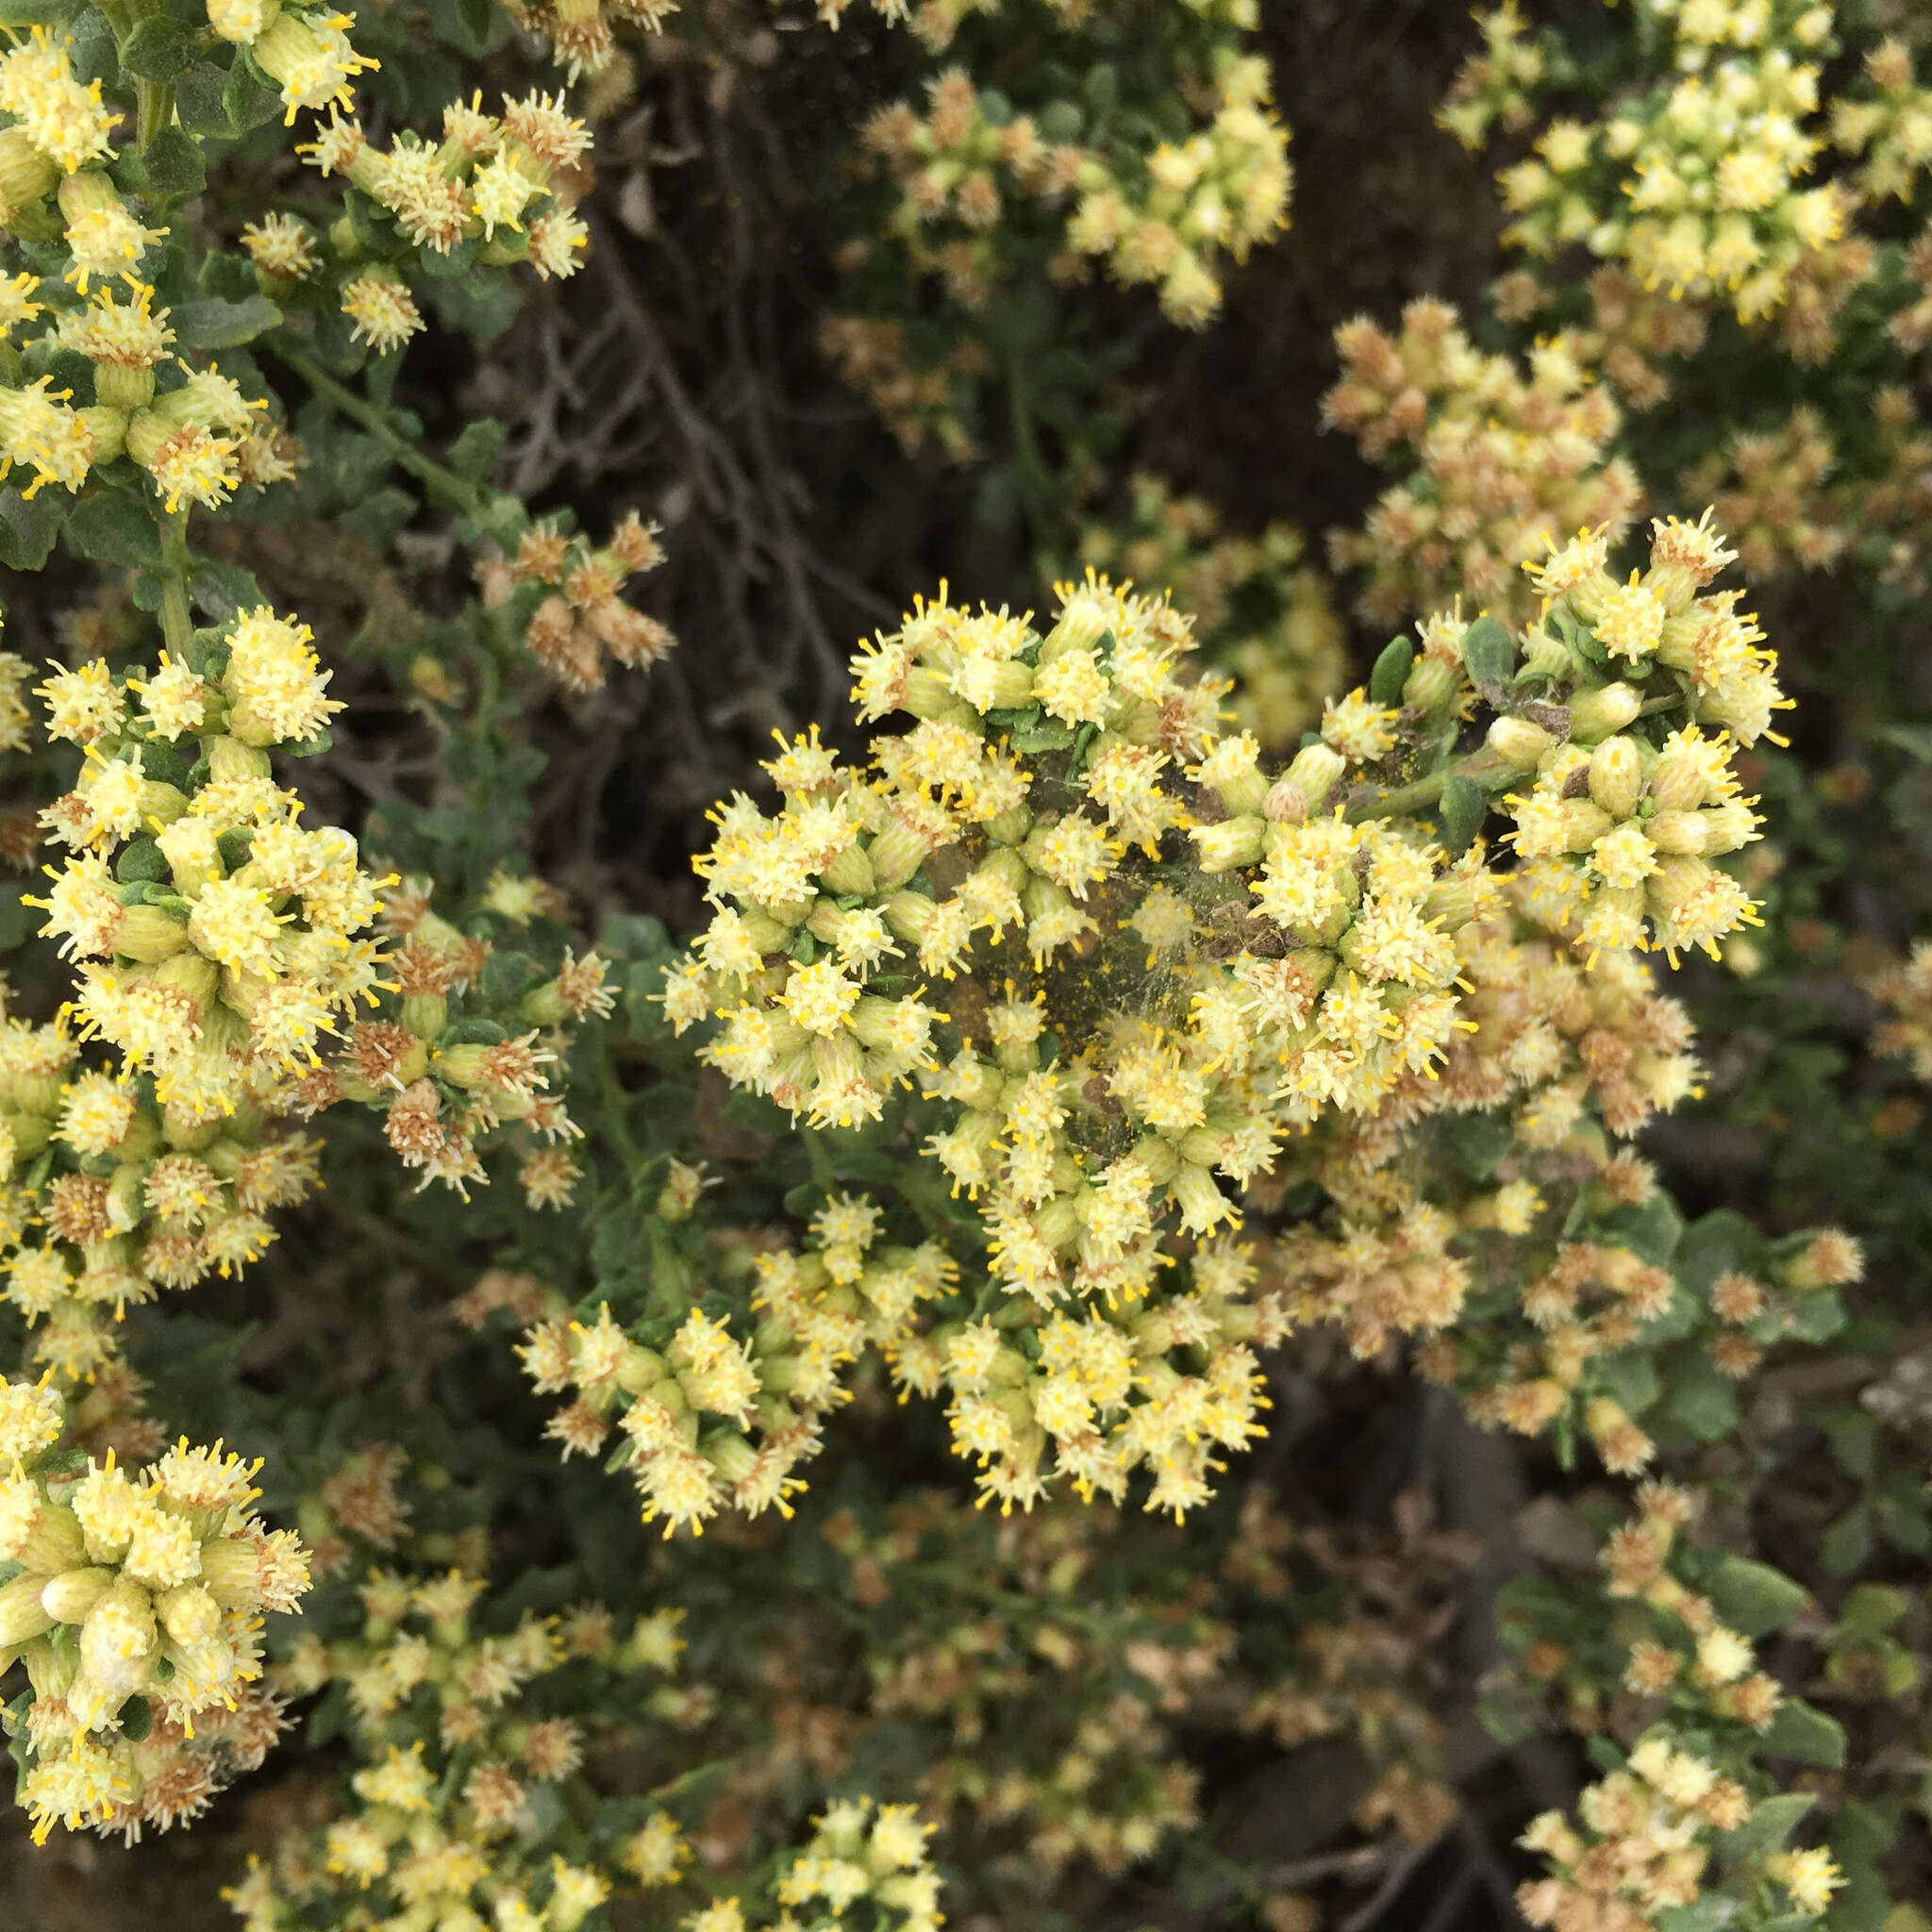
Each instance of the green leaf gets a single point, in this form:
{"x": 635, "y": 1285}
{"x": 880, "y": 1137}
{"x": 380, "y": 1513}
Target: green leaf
{"x": 200, "y": 103}
{"x": 1819, "y": 1315}
{"x": 1392, "y": 671}
{"x": 1711, "y": 1245}
{"x": 1629, "y": 1378}
{"x": 1702, "y": 1399}
{"x": 114, "y": 526}
{"x": 1769, "y": 1826}
{"x": 19, "y": 922}
{"x": 1480, "y": 1142}
{"x": 473, "y": 454}
{"x": 248, "y": 101}
{"x": 173, "y": 164}
{"x": 27, "y": 530}
{"x": 1845, "y": 1546}
{"x": 468, "y": 26}
{"x": 378, "y": 519}
{"x": 1707, "y": 1914}
{"x": 1488, "y": 652}
{"x": 215, "y": 323}
{"x": 1651, "y": 1231}
{"x": 505, "y": 977}
{"x": 223, "y": 588}
{"x": 1464, "y": 809}
{"x": 161, "y": 47}
{"x": 1754, "y": 1598}
{"x": 91, "y": 50}
{"x": 1803, "y": 1732}
{"x": 141, "y": 860}
{"x": 137, "y": 1719}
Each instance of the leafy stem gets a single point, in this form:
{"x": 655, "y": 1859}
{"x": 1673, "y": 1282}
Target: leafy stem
{"x": 177, "y": 626}
{"x": 455, "y": 492}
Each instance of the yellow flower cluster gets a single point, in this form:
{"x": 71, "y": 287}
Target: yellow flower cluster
{"x": 493, "y": 178}
{"x": 710, "y": 1422}
{"x": 1649, "y": 1829}
{"x": 1793, "y": 505}
{"x": 914, "y": 401}
{"x": 1694, "y": 184}
{"x": 59, "y": 124}
{"x": 1168, "y": 216}
{"x": 1645, "y": 1834}
{"x": 1632, "y": 329}
{"x": 1614, "y": 832}
{"x": 467, "y": 1786}
{"x": 1127, "y": 1027}
{"x": 212, "y": 953}
{"x": 581, "y": 615}
{"x": 138, "y": 1613}
{"x": 1285, "y": 661}
{"x": 1904, "y": 991}
{"x": 1218, "y": 194}
{"x": 459, "y": 1762}
{"x": 444, "y": 1082}
{"x": 199, "y": 439}
{"x": 858, "y": 1853}
{"x": 1493, "y": 89}
{"x": 955, "y": 167}
{"x": 1506, "y": 464}
{"x": 1893, "y": 131}
{"x": 224, "y": 944}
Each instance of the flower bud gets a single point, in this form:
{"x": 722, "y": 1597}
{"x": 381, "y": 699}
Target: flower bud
{"x": 26, "y": 175}
{"x": 188, "y": 1614}
{"x": 54, "y": 1543}
{"x": 850, "y": 872}
{"x": 1543, "y": 655}
{"x": 149, "y": 934}
{"x": 228, "y": 758}
{"x": 1595, "y": 714}
{"x": 1728, "y": 828}
{"x": 1616, "y": 775}
{"x": 22, "y": 1617}
{"x": 1680, "y": 832}
{"x": 1314, "y": 770}
{"x": 68, "y": 1598}
{"x": 896, "y": 854}
{"x": 1231, "y": 843}
{"x": 1429, "y": 686}
{"x": 1677, "y": 782}
{"x": 908, "y": 916}
{"x": 1518, "y": 743}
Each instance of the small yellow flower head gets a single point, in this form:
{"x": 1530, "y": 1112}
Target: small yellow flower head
{"x": 313, "y": 61}
{"x": 280, "y": 245}
{"x": 557, "y": 240}
{"x": 1810, "y": 1878}
{"x": 103, "y": 238}
{"x": 40, "y": 432}
{"x": 401, "y": 1779}
{"x": 240, "y": 21}
{"x": 275, "y": 681}
{"x": 382, "y": 310}
{"x": 125, "y": 335}
{"x": 502, "y": 189}
{"x": 31, "y": 1419}
{"x": 63, "y": 119}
